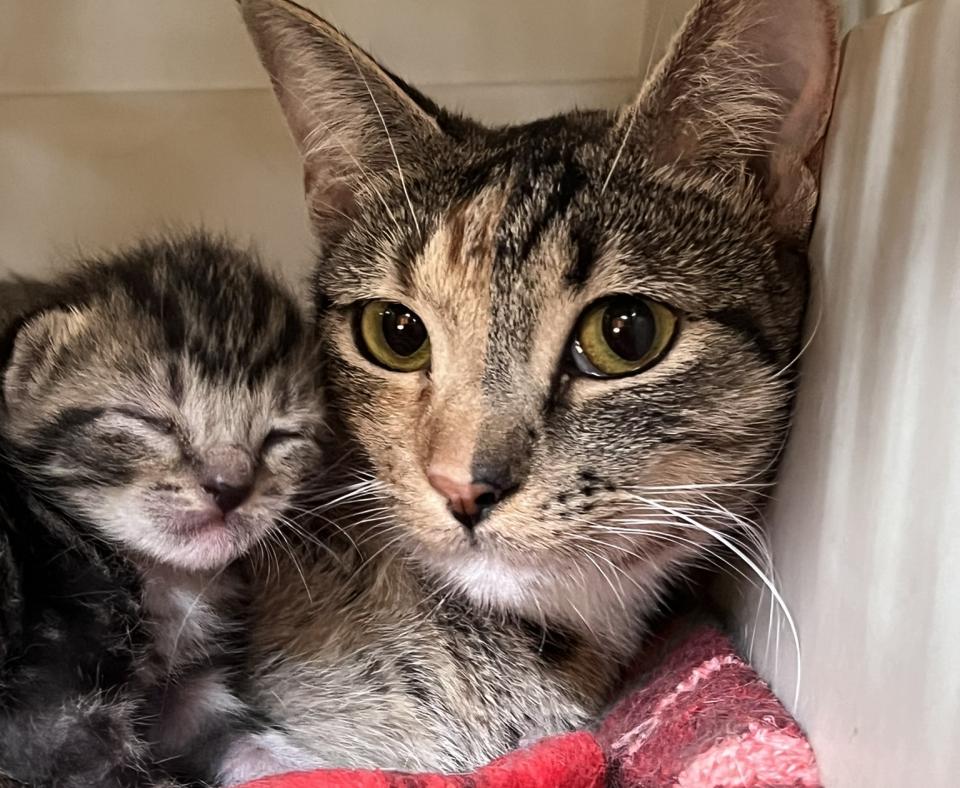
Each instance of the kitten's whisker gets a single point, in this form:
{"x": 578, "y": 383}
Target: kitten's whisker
{"x": 312, "y": 540}
{"x": 289, "y": 550}
{"x": 384, "y": 548}
{"x": 358, "y": 493}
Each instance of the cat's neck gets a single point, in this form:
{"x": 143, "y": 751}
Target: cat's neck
{"x": 608, "y": 607}
{"x": 187, "y": 611}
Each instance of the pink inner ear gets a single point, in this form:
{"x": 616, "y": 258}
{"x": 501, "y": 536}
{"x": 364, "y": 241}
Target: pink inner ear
{"x": 797, "y": 39}
{"x": 799, "y": 42}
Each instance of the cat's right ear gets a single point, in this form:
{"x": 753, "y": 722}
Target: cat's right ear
{"x": 25, "y": 350}
{"x": 747, "y": 86}
{"x": 349, "y": 118}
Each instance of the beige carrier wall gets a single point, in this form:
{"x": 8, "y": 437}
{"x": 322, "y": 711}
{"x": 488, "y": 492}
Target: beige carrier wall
{"x": 866, "y": 521}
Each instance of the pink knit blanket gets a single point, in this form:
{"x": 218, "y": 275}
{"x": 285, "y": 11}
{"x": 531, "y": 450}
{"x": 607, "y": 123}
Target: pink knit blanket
{"x": 699, "y": 718}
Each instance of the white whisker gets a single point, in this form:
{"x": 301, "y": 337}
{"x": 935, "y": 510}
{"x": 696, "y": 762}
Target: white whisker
{"x": 393, "y": 150}
{"x": 768, "y": 582}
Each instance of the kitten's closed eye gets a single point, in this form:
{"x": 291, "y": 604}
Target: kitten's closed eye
{"x": 162, "y": 424}
{"x": 279, "y": 436}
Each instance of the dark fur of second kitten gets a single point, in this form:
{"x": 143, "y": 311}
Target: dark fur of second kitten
{"x": 160, "y": 416}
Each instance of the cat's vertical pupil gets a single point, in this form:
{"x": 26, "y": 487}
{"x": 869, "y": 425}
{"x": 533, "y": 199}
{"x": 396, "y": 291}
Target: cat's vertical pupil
{"x": 403, "y": 330}
{"x": 629, "y": 328}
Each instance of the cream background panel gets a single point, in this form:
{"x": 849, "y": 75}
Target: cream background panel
{"x": 84, "y": 45}
{"x": 55, "y": 46}
{"x": 85, "y": 171}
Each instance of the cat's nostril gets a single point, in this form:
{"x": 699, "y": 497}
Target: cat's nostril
{"x": 226, "y": 496}
{"x": 487, "y": 499}
{"x": 468, "y": 521}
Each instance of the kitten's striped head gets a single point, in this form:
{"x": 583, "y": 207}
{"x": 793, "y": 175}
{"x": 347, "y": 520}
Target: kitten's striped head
{"x": 556, "y": 341}
{"x": 167, "y": 397}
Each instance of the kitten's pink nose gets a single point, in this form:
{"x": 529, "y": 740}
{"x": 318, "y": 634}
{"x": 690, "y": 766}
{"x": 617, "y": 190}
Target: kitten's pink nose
{"x": 469, "y": 502}
{"x": 227, "y": 476}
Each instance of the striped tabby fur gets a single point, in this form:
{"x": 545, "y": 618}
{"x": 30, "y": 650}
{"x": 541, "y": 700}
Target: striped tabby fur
{"x": 413, "y": 642}
{"x": 129, "y": 387}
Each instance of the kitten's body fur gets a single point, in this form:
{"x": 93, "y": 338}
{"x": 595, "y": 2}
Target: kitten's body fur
{"x": 122, "y": 626}
{"x": 419, "y": 639}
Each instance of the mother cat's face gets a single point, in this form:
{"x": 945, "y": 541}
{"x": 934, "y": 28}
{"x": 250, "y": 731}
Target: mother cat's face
{"x": 567, "y": 343}
{"x": 540, "y": 378}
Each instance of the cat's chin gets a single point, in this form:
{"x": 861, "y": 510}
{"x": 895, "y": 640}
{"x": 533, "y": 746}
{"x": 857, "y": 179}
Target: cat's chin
{"x": 490, "y": 581}
{"x": 215, "y": 542}
{"x": 580, "y": 598}
{"x": 191, "y": 540}
{"x": 206, "y": 547}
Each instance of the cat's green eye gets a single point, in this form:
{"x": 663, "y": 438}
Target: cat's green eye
{"x": 622, "y": 335}
{"x": 393, "y": 336}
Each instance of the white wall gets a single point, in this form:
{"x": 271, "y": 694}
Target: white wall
{"x": 866, "y": 521}
{"x": 117, "y": 117}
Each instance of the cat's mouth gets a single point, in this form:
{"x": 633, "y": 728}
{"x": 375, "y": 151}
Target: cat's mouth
{"x": 195, "y": 523}
{"x": 203, "y": 539}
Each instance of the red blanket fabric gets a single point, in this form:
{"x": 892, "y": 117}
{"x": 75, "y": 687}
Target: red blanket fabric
{"x": 701, "y": 718}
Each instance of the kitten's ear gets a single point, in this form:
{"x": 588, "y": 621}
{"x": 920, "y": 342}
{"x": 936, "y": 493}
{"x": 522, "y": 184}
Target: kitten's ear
{"x": 350, "y": 119}
{"x": 26, "y": 349}
{"x": 749, "y": 84}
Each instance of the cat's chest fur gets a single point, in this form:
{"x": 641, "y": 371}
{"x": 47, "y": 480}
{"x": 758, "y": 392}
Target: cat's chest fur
{"x": 409, "y": 676}
{"x": 187, "y": 616}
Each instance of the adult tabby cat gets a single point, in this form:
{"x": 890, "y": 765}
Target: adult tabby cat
{"x": 560, "y": 352}
{"x": 159, "y": 413}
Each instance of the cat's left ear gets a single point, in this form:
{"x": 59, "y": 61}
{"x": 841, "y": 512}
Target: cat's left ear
{"x": 747, "y": 85}
{"x": 350, "y": 119}
{"x": 30, "y": 346}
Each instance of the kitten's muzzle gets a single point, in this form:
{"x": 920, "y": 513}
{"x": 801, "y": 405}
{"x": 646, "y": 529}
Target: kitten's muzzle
{"x": 227, "y": 476}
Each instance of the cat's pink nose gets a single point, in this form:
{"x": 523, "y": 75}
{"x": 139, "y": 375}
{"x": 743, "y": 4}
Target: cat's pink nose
{"x": 469, "y": 502}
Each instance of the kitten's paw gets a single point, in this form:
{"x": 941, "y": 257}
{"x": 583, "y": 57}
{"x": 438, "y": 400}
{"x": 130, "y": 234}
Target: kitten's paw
{"x": 261, "y": 754}
{"x": 90, "y": 741}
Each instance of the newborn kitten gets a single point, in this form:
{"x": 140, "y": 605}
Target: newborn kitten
{"x": 563, "y": 351}
{"x": 160, "y": 418}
